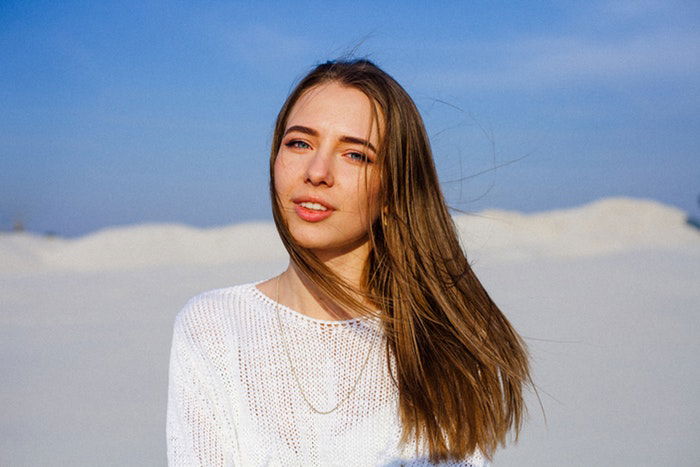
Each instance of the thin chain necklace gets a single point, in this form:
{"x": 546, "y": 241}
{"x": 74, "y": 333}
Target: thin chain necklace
{"x": 294, "y": 372}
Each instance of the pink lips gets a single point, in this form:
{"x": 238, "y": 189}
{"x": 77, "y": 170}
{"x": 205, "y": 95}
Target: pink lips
{"x": 311, "y": 215}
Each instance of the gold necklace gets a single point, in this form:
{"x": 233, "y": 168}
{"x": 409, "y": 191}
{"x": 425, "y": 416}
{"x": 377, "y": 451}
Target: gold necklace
{"x": 294, "y": 372}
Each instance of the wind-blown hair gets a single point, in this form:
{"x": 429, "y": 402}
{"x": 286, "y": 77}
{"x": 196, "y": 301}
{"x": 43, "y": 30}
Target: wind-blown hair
{"x": 459, "y": 365}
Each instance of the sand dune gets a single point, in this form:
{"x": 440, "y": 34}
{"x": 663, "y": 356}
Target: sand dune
{"x": 607, "y": 226}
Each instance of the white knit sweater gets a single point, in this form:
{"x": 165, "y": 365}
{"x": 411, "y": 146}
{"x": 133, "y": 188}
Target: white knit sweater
{"x": 233, "y": 399}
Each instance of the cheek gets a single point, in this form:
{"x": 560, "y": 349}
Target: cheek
{"x": 281, "y": 175}
{"x": 369, "y": 205}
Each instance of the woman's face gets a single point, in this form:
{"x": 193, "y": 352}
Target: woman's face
{"x": 324, "y": 167}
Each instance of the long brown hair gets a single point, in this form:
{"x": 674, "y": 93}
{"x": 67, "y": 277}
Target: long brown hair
{"x": 459, "y": 365}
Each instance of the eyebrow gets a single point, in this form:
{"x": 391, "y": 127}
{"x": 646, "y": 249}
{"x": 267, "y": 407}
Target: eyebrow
{"x": 344, "y": 139}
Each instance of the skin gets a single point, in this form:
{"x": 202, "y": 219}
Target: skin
{"x": 324, "y": 155}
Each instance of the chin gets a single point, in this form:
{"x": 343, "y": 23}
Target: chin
{"x": 334, "y": 246}
{"x": 313, "y": 242}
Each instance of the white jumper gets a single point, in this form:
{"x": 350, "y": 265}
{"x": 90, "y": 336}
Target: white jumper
{"x": 233, "y": 399}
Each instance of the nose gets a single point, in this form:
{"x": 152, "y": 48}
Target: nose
{"x": 319, "y": 170}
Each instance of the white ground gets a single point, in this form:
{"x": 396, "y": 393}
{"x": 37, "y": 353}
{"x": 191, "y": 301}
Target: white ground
{"x": 607, "y": 296}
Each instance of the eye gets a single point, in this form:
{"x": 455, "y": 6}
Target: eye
{"x": 297, "y": 144}
{"x": 358, "y": 156}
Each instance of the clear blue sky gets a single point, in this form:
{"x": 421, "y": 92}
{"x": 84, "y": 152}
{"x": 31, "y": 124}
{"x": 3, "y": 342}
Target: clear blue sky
{"x": 125, "y": 112}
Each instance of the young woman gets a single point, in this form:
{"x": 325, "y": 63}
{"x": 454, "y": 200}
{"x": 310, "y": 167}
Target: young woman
{"x": 378, "y": 345}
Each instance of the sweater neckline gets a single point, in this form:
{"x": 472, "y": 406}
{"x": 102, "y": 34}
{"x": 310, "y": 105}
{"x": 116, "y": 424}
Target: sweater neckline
{"x": 259, "y": 295}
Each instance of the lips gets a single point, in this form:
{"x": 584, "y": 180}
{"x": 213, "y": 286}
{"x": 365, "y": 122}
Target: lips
{"x": 311, "y": 209}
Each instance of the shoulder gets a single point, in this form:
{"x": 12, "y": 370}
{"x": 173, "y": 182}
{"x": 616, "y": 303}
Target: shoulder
{"x": 208, "y": 315}
{"x": 213, "y": 303}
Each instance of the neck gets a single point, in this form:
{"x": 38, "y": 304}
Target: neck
{"x": 348, "y": 265}
{"x": 297, "y": 291}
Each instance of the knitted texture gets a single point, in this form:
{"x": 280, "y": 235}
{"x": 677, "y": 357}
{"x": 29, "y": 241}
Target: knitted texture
{"x": 233, "y": 399}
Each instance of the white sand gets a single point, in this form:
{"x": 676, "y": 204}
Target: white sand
{"x": 606, "y": 295}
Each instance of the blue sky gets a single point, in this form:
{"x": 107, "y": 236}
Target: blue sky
{"x": 127, "y": 112}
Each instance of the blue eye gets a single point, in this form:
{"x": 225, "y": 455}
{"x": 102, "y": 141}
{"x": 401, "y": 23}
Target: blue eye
{"x": 358, "y": 156}
{"x": 297, "y": 144}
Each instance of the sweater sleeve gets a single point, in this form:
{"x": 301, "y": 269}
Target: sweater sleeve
{"x": 194, "y": 437}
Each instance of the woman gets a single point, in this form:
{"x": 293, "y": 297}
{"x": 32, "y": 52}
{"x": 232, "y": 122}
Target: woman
{"x": 378, "y": 345}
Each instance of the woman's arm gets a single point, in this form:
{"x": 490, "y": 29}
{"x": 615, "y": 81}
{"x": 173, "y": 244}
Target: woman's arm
{"x": 194, "y": 437}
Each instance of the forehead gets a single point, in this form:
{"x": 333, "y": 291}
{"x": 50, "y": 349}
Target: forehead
{"x": 333, "y": 107}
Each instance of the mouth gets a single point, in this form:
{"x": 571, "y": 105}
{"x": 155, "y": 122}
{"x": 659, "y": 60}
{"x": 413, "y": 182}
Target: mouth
{"x": 313, "y": 206}
{"x": 312, "y": 209}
